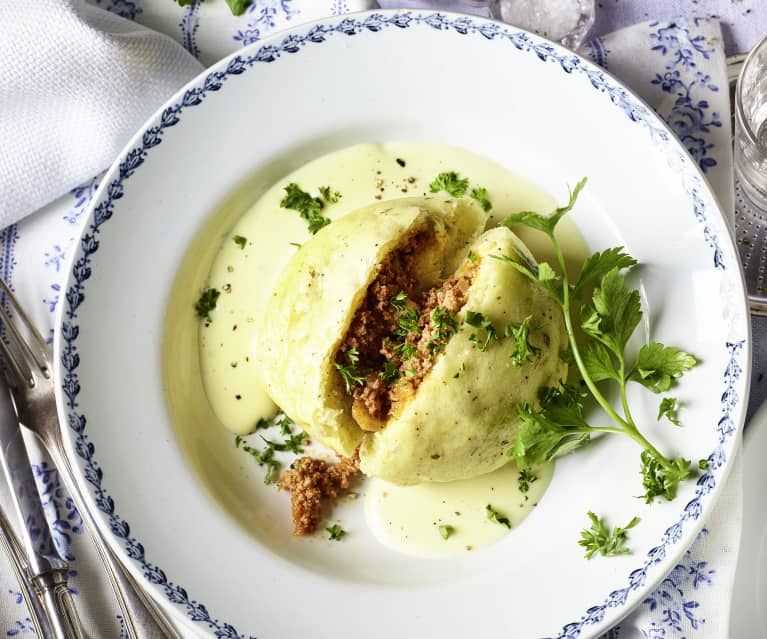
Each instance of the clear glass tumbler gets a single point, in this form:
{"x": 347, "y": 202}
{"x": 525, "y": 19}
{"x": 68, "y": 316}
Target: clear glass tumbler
{"x": 568, "y": 22}
{"x": 750, "y": 152}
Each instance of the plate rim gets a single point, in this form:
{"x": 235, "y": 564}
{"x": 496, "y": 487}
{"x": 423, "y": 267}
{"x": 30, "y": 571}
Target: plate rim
{"x": 292, "y": 41}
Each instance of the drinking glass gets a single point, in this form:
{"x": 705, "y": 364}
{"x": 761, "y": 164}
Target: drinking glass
{"x": 568, "y": 22}
{"x": 750, "y": 151}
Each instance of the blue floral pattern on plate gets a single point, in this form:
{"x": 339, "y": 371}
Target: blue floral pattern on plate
{"x": 293, "y": 44}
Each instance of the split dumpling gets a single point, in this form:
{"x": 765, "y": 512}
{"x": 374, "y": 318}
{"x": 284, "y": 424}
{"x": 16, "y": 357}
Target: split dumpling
{"x": 393, "y": 330}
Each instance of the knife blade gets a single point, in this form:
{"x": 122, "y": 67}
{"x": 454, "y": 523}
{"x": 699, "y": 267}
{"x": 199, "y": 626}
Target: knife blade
{"x": 46, "y": 568}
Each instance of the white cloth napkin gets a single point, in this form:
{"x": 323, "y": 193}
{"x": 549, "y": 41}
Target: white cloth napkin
{"x": 77, "y": 81}
{"x": 78, "y": 78}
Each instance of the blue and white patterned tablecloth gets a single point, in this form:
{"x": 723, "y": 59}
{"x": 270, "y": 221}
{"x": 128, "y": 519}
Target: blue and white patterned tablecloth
{"x": 677, "y": 66}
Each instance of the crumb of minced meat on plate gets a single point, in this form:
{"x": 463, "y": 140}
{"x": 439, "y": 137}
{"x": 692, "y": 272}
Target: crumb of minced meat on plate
{"x": 310, "y": 481}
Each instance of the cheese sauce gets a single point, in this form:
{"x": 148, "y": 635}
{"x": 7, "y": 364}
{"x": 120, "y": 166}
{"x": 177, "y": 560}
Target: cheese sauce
{"x": 439, "y": 520}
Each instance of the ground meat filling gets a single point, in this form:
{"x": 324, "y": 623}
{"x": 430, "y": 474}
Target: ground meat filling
{"x": 398, "y": 331}
{"x": 310, "y": 481}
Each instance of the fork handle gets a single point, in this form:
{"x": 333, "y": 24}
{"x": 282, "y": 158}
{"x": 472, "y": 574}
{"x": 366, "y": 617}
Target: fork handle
{"x": 53, "y": 593}
{"x": 141, "y": 617}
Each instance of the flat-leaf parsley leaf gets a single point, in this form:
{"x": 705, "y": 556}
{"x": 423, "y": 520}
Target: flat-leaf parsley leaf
{"x": 670, "y": 408}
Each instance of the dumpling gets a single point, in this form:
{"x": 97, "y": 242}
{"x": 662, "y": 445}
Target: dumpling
{"x": 392, "y": 331}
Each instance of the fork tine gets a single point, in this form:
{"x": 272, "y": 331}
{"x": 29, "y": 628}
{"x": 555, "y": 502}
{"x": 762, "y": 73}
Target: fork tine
{"x": 18, "y": 352}
{"x": 14, "y": 362}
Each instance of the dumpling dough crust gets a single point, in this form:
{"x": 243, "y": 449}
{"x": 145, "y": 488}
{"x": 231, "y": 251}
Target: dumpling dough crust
{"x": 455, "y": 427}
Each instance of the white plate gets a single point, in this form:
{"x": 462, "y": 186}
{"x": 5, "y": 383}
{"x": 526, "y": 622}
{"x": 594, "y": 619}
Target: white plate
{"x": 748, "y": 615}
{"x": 515, "y": 98}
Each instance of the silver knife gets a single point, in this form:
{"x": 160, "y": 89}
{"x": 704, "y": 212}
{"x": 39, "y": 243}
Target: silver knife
{"x": 46, "y": 569}
{"x": 9, "y": 542}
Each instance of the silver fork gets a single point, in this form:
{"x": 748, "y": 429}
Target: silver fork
{"x": 27, "y": 363}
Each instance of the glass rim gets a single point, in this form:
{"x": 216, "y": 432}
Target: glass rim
{"x": 739, "y": 110}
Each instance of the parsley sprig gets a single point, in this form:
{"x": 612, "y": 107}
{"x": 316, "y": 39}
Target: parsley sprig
{"x": 609, "y": 313}
{"x": 600, "y": 539}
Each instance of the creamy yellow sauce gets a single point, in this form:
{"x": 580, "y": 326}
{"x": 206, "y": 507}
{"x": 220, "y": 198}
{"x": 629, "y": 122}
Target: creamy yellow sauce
{"x": 406, "y": 519}
{"x": 439, "y": 520}
{"x": 361, "y": 174}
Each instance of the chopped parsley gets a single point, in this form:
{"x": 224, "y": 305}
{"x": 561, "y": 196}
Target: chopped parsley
{"x": 450, "y": 182}
{"x": 335, "y": 532}
{"x": 207, "y": 303}
{"x": 330, "y": 197}
{"x": 494, "y": 516}
{"x": 480, "y": 321}
{"x": 407, "y": 322}
{"x": 445, "y": 531}
{"x": 349, "y": 372}
{"x": 445, "y": 325}
{"x": 308, "y": 207}
{"x": 285, "y": 423}
{"x": 600, "y": 539}
{"x": 472, "y": 257}
{"x": 264, "y": 458}
{"x": 523, "y": 350}
{"x": 526, "y": 477}
{"x": 240, "y": 241}
{"x": 390, "y": 372}
{"x": 399, "y": 300}
{"x": 480, "y": 195}
{"x": 292, "y": 443}
{"x": 406, "y": 351}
